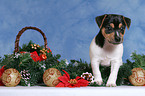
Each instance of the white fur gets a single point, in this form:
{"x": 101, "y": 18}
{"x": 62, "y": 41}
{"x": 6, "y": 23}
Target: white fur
{"x": 108, "y": 55}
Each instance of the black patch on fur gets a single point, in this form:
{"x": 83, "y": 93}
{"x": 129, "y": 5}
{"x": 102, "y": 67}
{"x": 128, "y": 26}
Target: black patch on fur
{"x": 100, "y": 40}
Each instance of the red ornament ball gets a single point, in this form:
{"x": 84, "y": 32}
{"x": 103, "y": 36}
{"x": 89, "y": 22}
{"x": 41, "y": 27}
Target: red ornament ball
{"x": 43, "y": 57}
{"x": 50, "y": 77}
{"x": 11, "y": 77}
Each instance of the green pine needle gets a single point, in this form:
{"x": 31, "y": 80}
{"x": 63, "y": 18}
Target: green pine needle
{"x": 74, "y": 68}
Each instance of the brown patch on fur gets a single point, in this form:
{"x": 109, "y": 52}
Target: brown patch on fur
{"x": 103, "y": 21}
{"x": 125, "y": 23}
{"x": 120, "y": 25}
{"x": 109, "y": 37}
{"x": 112, "y": 25}
{"x": 122, "y": 34}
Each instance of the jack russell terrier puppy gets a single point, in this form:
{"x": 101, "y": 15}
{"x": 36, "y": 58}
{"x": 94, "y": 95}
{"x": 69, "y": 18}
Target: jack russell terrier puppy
{"x": 106, "y": 48}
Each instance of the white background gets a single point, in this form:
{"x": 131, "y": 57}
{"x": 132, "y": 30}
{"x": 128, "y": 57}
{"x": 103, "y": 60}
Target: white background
{"x": 82, "y": 91}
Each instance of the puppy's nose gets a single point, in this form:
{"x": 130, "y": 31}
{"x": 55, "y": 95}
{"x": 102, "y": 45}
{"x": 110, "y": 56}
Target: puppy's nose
{"x": 117, "y": 39}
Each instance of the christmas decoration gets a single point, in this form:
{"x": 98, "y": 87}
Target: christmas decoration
{"x": 88, "y": 76}
{"x": 43, "y": 57}
{"x": 43, "y": 51}
{"x": 11, "y": 77}
{"x": 31, "y": 60}
{"x": 36, "y": 69}
{"x": 1, "y": 72}
{"x": 50, "y": 77}
{"x": 138, "y": 61}
{"x": 22, "y": 52}
{"x": 28, "y": 58}
{"x": 75, "y": 68}
{"x": 25, "y": 76}
{"x": 35, "y": 56}
{"x": 35, "y": 46}
{"x": 67, "y": 82}
{"x": 138, "y": 77}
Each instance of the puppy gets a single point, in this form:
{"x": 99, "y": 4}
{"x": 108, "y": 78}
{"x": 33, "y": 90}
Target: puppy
{"x": 106, "y": 48}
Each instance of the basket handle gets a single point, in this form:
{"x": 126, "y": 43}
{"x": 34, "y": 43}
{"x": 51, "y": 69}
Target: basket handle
{"x": 22, "y": 31}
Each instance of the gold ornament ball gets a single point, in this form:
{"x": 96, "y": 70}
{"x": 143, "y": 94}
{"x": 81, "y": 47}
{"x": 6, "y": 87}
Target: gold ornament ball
{"x": 138, "y": 77}
{"x": 11, "y": 77}
{"x": 50, "y": 77}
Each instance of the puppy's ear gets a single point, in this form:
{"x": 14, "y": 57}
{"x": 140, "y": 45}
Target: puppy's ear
{"x": 100, "y": 20}
{"x": 127, "y": 22}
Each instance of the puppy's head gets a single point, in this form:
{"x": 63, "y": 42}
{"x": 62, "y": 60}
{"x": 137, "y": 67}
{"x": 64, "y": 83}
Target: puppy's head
{"x": 113, "y": 27}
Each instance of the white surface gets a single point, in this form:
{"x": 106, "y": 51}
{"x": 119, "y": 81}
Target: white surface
{"x": 83, "y": 91}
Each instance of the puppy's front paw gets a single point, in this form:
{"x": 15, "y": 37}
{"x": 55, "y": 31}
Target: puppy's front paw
{"x": 98, "y": 81}
{"x": 111, "y": 84}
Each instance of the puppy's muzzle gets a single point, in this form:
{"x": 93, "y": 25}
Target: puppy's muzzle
{"x": 117, "y": 38}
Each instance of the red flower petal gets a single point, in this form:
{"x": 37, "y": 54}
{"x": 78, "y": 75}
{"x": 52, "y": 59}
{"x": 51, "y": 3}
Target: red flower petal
{"x": 60, "y": 85}
{"x": 2, "y": 70}
{"x": 71, "y": 86}
{"x": 66, "y": 74}
{"x": 1, "y": 83}
{"x": 66, "y": 78}
{"x": 83, "y": 82}
{"x": 63, "y": 79}
{"x": 1, "y": 74}
{"x": 78, "y": 77}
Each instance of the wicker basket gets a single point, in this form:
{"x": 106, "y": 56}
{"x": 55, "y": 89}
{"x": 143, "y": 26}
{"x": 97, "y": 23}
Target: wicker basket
{"x": 22, "y": 31}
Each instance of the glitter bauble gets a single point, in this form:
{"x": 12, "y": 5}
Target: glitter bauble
{"x": 138, "y": 77}
{"x": 11, "y": 77}
{"x": 50, "y": 77}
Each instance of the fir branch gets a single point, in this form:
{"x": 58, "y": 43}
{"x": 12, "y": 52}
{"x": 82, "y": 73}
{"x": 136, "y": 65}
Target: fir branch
{"x": 74, "y": 68}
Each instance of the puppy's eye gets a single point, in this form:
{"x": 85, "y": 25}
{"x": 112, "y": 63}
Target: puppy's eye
{"x": 122, "y": 28}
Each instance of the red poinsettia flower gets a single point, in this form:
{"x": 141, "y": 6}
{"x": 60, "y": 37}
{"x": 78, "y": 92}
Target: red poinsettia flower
{"x": 67, "y": 82}
{"x": 1, "y": 72}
